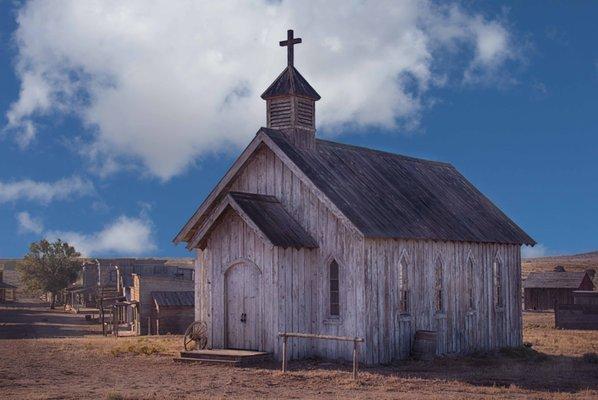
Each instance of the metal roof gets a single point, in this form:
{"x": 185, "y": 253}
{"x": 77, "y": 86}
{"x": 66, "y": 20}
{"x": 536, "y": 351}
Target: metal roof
{"x": 174, "y": 299}
{"x": 554, "y": 280}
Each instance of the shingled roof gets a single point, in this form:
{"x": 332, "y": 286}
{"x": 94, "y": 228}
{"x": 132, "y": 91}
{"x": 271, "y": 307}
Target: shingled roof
{"x": 174, "y": 299}
{"x": 290, "y": 82}
{"x": 268, "y": 214}
{"x": 387, "y": 195}
{"x": 4, "y": 285}
{"x": 554, "y": 280}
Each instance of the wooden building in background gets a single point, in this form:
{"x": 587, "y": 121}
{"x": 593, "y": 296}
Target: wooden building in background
{"x": 151, "y": 299}
{"x": 8, "y": 292}
{"x": 312, "y": 236}
{"x": 172, "y": 311}
{"x": 543, "y": 290}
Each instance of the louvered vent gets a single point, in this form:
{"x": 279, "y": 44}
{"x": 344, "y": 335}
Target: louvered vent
{"x": 305, "y": 112}
{"x": 279, "y": 113}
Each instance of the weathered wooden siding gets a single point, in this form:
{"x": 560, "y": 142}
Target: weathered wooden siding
{"x": 538, "y": 299}
{"x": 389, "y": 334}
{"x": 174, "y": 320}
{"x": 294, "y": 291}
{"x": 294, "y": 281}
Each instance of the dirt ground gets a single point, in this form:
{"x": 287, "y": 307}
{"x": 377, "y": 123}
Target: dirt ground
{"x": 87, "y": 366}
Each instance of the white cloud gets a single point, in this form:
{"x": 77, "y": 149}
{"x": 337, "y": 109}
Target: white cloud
{"x": 124, "y": 236}
{"x": 162, "y": 83}
{"x": 29, "y": 224}
{"x": 537, "y": 251}
{"x": 45, "y": 192}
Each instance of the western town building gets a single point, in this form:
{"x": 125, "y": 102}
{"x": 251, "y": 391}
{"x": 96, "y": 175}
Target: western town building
{"x": 159, "y": 304}
{"x": 115, "y": 276}
{"x": 7, "y": 291}
{"x": 543, "y": 290}
{"x": 313, "y": 236}
{"x": 135, "y": 295}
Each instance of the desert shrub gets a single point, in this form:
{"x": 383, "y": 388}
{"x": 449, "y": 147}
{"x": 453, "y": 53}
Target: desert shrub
{"x": 139, "y": 347}
{"x": 523, "y": 353}
{"x": 591, "y": 358}
{"x": 115, "y": 396}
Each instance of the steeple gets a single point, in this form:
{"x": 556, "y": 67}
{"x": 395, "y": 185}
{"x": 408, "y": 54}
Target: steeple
{"x": 291, "y": 101}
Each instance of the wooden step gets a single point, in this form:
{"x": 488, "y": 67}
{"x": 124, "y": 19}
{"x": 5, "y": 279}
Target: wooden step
{"x": 206, "y": 361}
{"x": 228, "y": 356}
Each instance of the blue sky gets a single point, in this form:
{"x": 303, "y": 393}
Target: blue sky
{"x": 115, "y": 153}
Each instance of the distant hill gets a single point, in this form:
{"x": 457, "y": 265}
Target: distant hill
{"x": 574, "y": 262}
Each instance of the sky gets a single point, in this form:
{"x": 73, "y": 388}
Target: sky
{"x": 118, "y": 118}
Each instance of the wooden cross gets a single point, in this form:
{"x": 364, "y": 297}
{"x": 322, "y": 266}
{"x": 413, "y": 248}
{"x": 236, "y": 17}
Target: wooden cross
{"x": 289, "y": 43}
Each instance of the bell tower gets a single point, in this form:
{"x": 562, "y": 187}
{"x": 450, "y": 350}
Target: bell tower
{"x": 291, "y": 102}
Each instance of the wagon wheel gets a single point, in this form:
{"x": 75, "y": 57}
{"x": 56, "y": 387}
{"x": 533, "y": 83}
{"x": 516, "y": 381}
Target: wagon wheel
{"x": 196, "y": 337}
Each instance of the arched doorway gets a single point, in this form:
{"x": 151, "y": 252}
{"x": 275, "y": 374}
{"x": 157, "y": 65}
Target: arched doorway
{"x": 242, "y": 301}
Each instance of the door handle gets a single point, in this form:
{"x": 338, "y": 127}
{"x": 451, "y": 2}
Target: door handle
{"x": 243, "y": 317}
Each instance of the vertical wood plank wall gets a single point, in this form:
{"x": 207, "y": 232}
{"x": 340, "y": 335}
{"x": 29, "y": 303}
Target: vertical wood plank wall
{"x": 389, "y": 335}
{"x": 294, "y": 292}
{"x": 294, "y": 281}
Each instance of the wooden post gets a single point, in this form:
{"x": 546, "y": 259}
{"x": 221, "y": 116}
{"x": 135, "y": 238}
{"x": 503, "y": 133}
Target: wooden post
{"x": 284, "y": 354}
{"x": 115, "y": 320}
{"x": 355, "y": 340}
{"x": 355, "y": 359}
{"x": 102, "y": 317}
{"x": 157, "y": 326}
{"x": 149, "y": 326}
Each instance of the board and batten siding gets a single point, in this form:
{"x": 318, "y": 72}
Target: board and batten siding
{"x": 294, "y": 282}
{"x": 294, "y": 291}
{"x": 460, "y": 329}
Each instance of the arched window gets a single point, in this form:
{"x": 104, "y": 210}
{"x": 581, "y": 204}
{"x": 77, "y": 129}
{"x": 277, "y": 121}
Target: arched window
{"x": 333, "y": 275}
{"x": 438, "y": 286}
{"x": 471, "y": 284}
{"x": 498, "y": 286}
{"x": 404, "y": 305}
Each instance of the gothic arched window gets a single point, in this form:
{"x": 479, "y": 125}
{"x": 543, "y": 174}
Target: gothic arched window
{"x": 404, "y": 301}
{"x": 438, "y": 286}
{"x": 498, "y": 285}
{"x": 471, "y": 283}
{"x": 334, "y": 281}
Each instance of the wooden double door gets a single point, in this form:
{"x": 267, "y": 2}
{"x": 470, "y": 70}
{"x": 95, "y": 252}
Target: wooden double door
{"x": 242, "y": 301}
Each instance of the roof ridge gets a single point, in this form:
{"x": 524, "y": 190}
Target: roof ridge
{"x": 383, "y": 152}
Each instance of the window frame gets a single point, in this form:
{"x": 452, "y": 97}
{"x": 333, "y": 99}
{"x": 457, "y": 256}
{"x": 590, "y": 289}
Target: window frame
{"x": 329, "y": 283}
{"x": 471, "y": 292}
{"x": 439, "y": 303}
{"x": 404, "y": 305}
{"x": 498, "y": 283}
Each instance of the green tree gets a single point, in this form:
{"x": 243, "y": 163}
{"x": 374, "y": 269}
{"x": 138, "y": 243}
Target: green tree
{"x": 49, "y": 267}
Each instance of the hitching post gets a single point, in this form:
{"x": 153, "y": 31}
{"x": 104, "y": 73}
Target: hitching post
{"x": 284, "y": 353}
{"x": 355, "y": 359}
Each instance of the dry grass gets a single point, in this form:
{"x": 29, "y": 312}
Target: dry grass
{"x": 145, "y": 346}
{"x": 86, "y": 368}
{"x": 539, "y": 330}
{"x": 578, "y": 262}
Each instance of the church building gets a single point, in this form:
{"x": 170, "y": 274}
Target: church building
{"x": 313, "y": 236}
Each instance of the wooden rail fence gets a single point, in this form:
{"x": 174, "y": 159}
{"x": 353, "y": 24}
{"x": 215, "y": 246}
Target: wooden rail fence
{"x": 286, "y": 335}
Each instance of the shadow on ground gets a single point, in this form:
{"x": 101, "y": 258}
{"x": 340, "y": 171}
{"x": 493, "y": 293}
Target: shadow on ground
{"x": 541, "y": 372}
{"x": 30, "y": 320}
